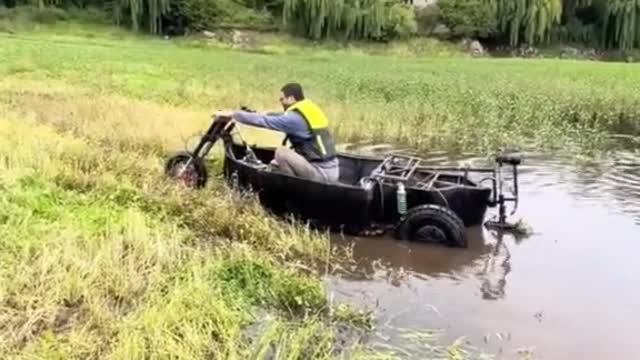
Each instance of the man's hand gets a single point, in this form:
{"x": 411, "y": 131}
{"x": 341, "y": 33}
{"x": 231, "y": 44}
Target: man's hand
{"x": 228, "y": 114}
{"x": 228, "y": 124}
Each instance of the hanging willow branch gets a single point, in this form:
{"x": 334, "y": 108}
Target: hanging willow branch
{"x": 530, "y": 21}
{"x": 354, "y": 18}
{"x": 619, "y": 21}
{"x": 621, "y": 26}
{"x": 140, "y": 11}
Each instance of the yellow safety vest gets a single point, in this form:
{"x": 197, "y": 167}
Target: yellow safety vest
{"x": 321, "y": 146}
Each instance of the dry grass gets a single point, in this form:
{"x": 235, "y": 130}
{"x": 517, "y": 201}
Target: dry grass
{"x": 102, "y": 258}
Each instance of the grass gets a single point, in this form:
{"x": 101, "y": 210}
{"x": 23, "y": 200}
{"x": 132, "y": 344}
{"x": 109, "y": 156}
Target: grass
{"x": 459, "y": 104}
{"x": 101, "y": 257}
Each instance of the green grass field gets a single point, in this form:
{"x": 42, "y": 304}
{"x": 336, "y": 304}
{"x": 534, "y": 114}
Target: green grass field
{"x": 101, "y": 257}
{"x": 460, "y": 104}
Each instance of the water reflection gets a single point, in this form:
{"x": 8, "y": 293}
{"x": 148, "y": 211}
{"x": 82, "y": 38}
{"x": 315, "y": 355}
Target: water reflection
{"x": 397, "y": 262}
{"x": 495, "y": 270}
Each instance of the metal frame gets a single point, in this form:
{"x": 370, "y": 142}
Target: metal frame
{"x": 401, "y": 168}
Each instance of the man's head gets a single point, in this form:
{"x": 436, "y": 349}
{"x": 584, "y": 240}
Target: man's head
{"x": 290, "y": 94}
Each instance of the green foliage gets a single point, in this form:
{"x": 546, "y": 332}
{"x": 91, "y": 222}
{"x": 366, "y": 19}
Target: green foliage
{"x": 622, "y": 24}
{"x": 574, "y": 31}
{"x": 260, "y": 283}
{"x": 469, "y": 18}
{"x": 606, "y": 24}
{"x": 210, "y": 14}
{"x": 528, "y": 21}
{"x": 140, "y": 12}
{"x": 352, "y": 19}
{"x": 475, "y": 105}
{"x": 26, "y": 14}
{"x": 427, "y": 18}
{"x": 401, "y": 21}
{"x": 29, "y": 17}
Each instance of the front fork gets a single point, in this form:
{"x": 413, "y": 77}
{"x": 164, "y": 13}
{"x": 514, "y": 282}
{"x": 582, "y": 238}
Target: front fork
{"x": 206, "y": 143}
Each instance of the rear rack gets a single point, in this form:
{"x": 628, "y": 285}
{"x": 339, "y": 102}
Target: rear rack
{"x": 402, "y": 169}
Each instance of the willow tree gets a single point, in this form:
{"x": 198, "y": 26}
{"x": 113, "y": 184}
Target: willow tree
{"x": 621, "y": 27}
{"x": 618, "y": 21}
{"x": 141, "y": 11}
{"x": 529, "y": 21}
{"x": 353, "y": 18}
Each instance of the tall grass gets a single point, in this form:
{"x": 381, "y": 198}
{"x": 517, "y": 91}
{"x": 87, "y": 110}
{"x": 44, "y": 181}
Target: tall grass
{"x": 459, "y": 105}
{"x": 100, "y": 257}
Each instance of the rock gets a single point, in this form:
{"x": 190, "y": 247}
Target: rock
{"x": 476, "y": 48}
{"x": 525, "y": 51}
{"x": 209, "y": 34}
{"x": 472, "y": 46}
{"x": 236, "y": 38}
{"x": 240, "y": 39}
{"x": 570, "y": 51}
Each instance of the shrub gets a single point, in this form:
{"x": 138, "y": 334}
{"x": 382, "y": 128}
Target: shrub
{"x": 401, "y": 21}
{"x": 208, "y": 14}
{"x": 28, "y": 14}
{"x": 469, "y": 18}
{"x": 427, "y": 18}
{"x": 351, "y": 19}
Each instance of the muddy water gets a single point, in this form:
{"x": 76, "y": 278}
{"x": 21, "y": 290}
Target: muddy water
{"x": 570, "y": 290}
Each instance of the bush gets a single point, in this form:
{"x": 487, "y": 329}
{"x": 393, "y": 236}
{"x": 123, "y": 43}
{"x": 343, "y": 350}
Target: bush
{"x": 574, "y": 31}
{"x": 209, "y": 14}
{"x": 401, "y": 21}
{"x": 469, "y": 18}
{"x": 427, "y": 18}
{"x": 352, "y": 19}
{"x": 28, "y": 14}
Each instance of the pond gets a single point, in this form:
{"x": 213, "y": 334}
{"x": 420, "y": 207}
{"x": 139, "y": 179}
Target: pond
{"x": 567, "y": 291}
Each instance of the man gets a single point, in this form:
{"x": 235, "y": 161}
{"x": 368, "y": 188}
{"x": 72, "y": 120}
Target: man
{"x": 306, "y": 127}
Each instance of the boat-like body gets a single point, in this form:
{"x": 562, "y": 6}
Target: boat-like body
{"x": 420, "y": 202}
{"x": 349, "y": 202}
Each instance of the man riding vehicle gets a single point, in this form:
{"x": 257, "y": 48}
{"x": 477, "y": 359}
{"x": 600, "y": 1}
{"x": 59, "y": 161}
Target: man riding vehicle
{"x": 313, "y": 153}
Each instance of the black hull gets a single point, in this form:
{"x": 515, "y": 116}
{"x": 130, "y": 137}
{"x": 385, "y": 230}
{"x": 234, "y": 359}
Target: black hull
{"x": 347, "y": 203}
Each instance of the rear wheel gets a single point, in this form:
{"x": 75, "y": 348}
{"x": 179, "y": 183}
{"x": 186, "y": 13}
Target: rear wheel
{"x": 187, "y": 170}
{"x": 432, "y": 224}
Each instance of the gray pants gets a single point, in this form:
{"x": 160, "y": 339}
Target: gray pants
{"x": 291, "y": 163}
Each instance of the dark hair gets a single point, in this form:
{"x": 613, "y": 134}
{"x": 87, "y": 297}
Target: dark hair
{"x": 293, "y": 89}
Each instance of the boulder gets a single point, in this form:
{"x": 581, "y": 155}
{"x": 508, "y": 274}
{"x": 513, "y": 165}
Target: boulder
{"x": 525, "y": 50}
{"x": 570, "y": 51}
{"x": 210, "y": 34}
{"x": 476, "y": 48}
{"x": 236, "y": 38}
{"x": 473, "y": 46}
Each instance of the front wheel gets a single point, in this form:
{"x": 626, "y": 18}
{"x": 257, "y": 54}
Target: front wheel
{"x": 188, "y": 170}
{"x": 432, "y": 224}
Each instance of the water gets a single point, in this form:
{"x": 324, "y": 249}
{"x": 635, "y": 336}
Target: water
{"x": 570, "y": 290}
